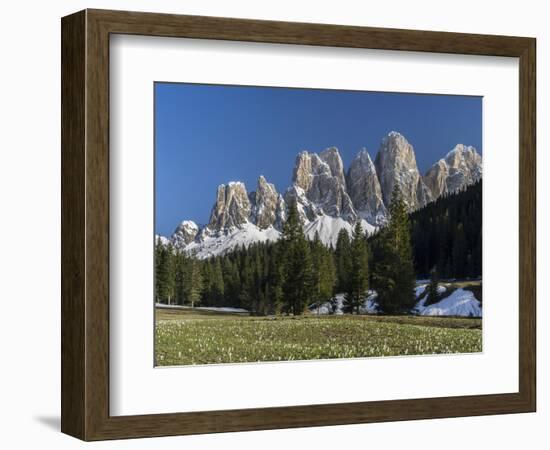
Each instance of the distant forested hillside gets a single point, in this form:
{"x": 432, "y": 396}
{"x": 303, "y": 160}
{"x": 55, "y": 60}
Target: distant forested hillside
{"x": 446, "y": 234}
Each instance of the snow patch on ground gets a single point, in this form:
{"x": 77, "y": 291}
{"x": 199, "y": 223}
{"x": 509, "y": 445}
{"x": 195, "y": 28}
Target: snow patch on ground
{"x": 419, "y": 290}
{"x": 370, "y": 306}
{"x": 336, "y": 305}
{"x": 460, "y": 303}
{"x": 421, "y": 287}
{"x": 323, "y": 310}
{"x": 203, "y": 308}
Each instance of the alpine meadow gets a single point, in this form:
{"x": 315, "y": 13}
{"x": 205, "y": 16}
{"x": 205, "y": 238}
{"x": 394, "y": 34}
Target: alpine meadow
{"x": 334, "y": 253}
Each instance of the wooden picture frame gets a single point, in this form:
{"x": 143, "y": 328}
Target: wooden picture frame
{"x": 85, "y": 224}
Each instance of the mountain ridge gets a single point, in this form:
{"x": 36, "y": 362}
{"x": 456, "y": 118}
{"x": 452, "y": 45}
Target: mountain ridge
{"x": 327, "y": 197}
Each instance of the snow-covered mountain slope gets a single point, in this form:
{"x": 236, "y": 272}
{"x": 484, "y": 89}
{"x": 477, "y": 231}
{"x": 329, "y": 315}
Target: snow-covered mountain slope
{"x": 185, "y": 233}
{"x": 162, "y": 239}
{"x": 328, "y": 228}
{"x": 328, "y": 200}
{"x": 218, "y": 243}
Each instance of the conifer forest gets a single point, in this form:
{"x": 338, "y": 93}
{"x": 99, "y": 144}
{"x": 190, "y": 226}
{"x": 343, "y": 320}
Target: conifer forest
{"x": 294, "y": 273}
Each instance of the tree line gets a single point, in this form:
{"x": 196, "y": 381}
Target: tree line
{"x": 265, "y": 278}
{"x": 293, "y": 273}
{"x": 446, "y": 235}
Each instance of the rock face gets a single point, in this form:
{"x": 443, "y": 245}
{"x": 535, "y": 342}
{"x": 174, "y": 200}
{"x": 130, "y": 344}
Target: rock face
{"x": 232, "y": 207}
{"x": 423, "y": 194}
{"x": 319, "y": 187}
{"x": 327, "y": 199}
{"x": 436, "y": 178}
{"x": 267, "y": 205}
{"x": 281, "y": 212}
{"x": 396, "y": 165}
{"x": 185, "y": 233}
{"x": 364, "y": 189}
{"x": 461, "y": 167}
{"x": 332, "y": 158}
{"x": 235, "y": 207}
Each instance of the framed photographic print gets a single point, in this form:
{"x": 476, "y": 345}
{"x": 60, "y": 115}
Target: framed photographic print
{"x": 271, "y": 225}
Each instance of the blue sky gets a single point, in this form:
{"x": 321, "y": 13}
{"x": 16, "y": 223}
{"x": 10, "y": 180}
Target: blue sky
{"x": 206, "y": 135}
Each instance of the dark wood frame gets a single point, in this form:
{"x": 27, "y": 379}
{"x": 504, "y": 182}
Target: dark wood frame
{"x": 85, "y": 224}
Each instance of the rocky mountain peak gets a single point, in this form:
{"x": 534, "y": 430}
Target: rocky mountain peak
{"x": 331, "y": 156}
{"x": 319, "y": 186}
{"x": 327, "y": 198}
{"x": 396, "y": 165}
{"x": 266, "y": 205}
{"x": 461, "y": 167}
{"x": 185, "y": 233}
{"x": 462, "y": 154}
{"x": 232, "y": 207}
{"x": 397, "y": 137}
{"x": 364, "y": 189}
{"x": 307, "y": 166}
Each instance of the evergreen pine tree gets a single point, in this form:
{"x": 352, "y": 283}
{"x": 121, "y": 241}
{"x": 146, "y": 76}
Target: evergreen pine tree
{"x": 164, "y": 273}
{"x": 275, "y": 277}
{"x": 208, "y": 285}
{"x": 342, "y": 260}
{"x": 231, "y": 281}
{"x": 359, "y": 273}
{"x": 394, "y": 277}
{"x": 256, "y": 291}
{"x": 323, "y": 272}
{"x": 193, "y": 281}
{"x": 180, "y": 262}
{"x": 159, "y": 261}
{"x": 433, "y": 288}
{"x": 171, "y": 275}
{"x": 328, "y": 274}
{"x": 297, "y": 266}
{"x": 216, "y": 286}
{"x": 247, "y": 281}
{"x": 316, "y": 262}
{"x": 459, "y": 252}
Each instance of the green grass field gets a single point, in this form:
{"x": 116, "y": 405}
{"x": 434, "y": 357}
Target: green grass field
{"x": 185, "y": 337}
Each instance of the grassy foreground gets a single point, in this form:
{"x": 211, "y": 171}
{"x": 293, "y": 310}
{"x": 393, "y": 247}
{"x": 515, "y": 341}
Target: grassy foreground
{"x": 186, "y": 337}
